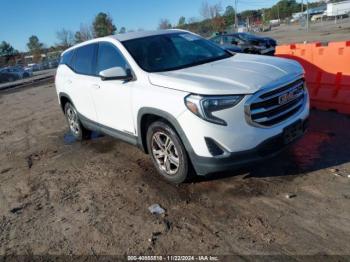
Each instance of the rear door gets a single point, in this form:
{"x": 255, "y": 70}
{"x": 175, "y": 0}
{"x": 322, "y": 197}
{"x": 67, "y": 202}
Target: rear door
{"x": 82, "y": 81}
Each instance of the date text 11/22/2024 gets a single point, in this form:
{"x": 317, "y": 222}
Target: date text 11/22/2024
{"x": 173, "y": 258}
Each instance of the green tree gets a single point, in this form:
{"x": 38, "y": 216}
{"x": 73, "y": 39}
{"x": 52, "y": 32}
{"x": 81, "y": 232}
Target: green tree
{"x": 229, "y": 15}
{"x": 283, "y": 9}
{"x": 103, "y": 25}
{"x": 34, "y": 45}
{"x": 182, "y": 21}
{"x": 7, "y": 50}
{"x": 229, "y": 11}
{"x": 122, "y": 30}
{"x": 251, "y": 14}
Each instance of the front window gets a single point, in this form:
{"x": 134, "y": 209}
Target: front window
{"x": 108, "y": 57}
{"x": 173, "y": 51}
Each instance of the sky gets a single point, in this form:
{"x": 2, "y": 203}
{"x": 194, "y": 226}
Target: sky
{"x": 20, "y": 19}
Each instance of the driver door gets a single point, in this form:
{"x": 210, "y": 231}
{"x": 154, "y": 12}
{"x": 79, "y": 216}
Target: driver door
{"x": 112, "y": 98}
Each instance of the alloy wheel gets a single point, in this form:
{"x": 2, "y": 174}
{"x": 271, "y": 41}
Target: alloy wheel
{"x": 73, "y": 121}
{"x": 165, "y": 153}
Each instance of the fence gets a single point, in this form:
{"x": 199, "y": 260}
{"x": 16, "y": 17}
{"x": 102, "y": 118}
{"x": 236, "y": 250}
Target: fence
{"x": 327, "y": 72}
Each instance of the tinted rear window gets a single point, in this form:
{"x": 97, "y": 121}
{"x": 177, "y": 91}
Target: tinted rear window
{"x": 84, "y": 59}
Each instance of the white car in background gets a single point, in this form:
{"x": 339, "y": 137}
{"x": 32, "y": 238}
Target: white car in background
{"x": 183, "y": 100}
{"x": 33, "y": 66}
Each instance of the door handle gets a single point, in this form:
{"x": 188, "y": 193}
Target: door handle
{"x": 95, "y": 86}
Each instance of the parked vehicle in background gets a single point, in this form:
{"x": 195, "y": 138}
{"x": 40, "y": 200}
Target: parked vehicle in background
{"x": 34, "y": 67}
{"x": 248, "y": 43}
{"x": 44, "y": 65}
{"x": 17, "y": 70}
{"x": 8, "y": 77}
{"x": 182, "y": 99}
{"x": 53, "y": 64}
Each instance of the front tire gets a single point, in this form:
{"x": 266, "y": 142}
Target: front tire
{"x": 76, "y": 128}
{"x": 168, "y": 153}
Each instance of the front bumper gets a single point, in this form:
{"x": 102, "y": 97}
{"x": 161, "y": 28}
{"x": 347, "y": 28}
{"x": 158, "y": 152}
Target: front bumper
{"x": 267, "y": 149}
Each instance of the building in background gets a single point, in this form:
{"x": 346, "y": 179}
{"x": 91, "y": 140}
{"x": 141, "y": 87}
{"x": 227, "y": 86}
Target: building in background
{"x": 338, "y": 9}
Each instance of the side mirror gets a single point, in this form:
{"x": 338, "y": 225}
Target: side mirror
{"x": 116, "y": 73}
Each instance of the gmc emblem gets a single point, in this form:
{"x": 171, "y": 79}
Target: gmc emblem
{"x": 289, "y": 96}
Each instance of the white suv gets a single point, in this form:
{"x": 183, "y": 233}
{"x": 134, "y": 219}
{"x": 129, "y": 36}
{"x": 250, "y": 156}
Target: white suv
{"x": 182, "y": 99}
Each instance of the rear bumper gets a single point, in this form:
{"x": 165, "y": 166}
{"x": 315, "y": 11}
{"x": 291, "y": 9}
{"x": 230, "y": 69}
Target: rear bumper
{"x": 267, "y": 149}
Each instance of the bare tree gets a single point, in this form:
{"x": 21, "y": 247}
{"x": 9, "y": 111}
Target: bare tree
{"x": 215, "y": 10}
{"x": 192, "y": 20}
{"x": 219, "y": 24}
{"x": 65, "y": 38}
{"x": 208, "y": 11}
{"x": 85, "y": 33}
{"x": 205, "y": 10}
{"x": 164, "y": 24}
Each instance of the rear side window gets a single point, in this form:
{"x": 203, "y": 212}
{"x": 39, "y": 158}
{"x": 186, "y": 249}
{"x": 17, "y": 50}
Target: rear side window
{"x": 66, "y": 58}
{"x": 84, "y": 59}
{"x": 108, "y": 57}
{"x": 230, "y": 40}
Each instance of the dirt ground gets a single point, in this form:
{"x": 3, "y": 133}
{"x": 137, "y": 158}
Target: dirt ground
{"x": 319, "y": 32}
{"x": 59, "y": 196}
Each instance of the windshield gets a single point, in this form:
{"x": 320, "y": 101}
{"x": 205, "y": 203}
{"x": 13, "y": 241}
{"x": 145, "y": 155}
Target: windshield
{"x": 173, "y": 51}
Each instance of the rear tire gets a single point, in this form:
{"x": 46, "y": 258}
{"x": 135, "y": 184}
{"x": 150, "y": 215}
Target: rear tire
{"x": 168, "y": 154}
{"x": 76, "y": 128}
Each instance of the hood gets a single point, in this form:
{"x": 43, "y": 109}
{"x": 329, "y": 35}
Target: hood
{"x": 240, "y": 74}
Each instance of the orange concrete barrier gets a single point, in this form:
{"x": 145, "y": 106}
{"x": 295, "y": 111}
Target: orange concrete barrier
{"x": 327, "y": 72}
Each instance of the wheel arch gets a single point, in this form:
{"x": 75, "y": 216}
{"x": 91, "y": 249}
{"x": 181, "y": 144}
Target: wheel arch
{"x": 148, "y": 115}
{"x": 64, "y": 98}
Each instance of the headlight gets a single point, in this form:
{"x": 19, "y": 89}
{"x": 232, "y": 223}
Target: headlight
{"x": 204, "y": 106}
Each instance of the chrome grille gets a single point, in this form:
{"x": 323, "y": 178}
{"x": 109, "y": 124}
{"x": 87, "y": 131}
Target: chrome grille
{"x": 271, "y": 107}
